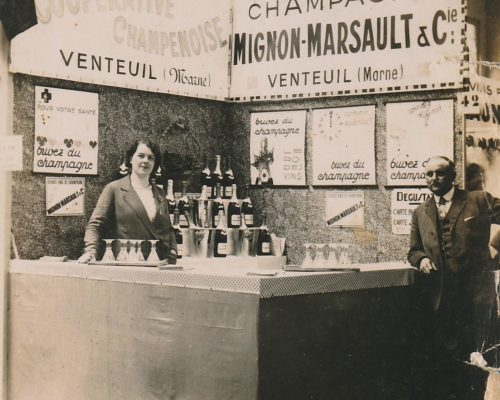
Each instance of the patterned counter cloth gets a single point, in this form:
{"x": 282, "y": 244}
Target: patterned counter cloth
{"x": 232, "y": 279}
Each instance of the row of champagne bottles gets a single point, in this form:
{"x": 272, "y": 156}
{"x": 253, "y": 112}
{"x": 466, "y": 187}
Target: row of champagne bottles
{"x": 209, "y": 178}
{"x": 203, "y": 212}
{"x": 219, "y": 241}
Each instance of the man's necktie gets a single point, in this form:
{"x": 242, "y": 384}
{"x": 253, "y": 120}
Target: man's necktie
{"x": 442, "y": 208}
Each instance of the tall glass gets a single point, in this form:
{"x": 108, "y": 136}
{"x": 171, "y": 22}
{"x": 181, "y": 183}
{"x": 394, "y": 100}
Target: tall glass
{"x": 308, "y": 256}
{"x": 153, "y": 255}
{"x": 122, "y": 255}
{"x": 108, "y": 254}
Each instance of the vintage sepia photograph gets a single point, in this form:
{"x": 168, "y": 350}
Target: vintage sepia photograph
{"x": 250, "y": 199}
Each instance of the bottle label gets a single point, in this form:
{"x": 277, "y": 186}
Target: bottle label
{"x": 216, "y": 221}
{"x": 171, "y": 219}
{"x": 222, "y": 248}
{"x": 266, "y": 248}
{"x": 183, "y": 222}
{"x": 228, "y": 191}
{"x": 236, "y": 220}
{"x": 180, "y": 249}
{"x": 249, "y": 219}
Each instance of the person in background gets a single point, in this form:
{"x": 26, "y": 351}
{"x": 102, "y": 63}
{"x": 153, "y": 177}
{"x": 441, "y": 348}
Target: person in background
{"x": 133, "y": 207}
{"x": 449, "y": 246}
{"x": 474, "y": 177}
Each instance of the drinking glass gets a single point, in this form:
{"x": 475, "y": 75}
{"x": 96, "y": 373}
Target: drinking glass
{"x": 140, "y": 256}
{"x": 122, "y": 255}
{"x": 308, "y": 258}
{"x": 153, "y": 255}
{"x": 108, "y": 254}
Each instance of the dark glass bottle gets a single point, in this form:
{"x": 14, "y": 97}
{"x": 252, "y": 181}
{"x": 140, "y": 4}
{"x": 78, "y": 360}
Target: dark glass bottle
{"x": 220, "y": 238}
{"x": 198, "y": 207}
{"x": 234, "y": 210}
{"x": 170, "y": 200}
{"x": 178, "y": 234}
{"x": 122, "y": 170}
{"x": 217, "y": 206}
{"x": 217, "y": 177}
{"x": 247, "y": 209}
{"x": 183, "y": 206}
{"x": 228, "y": 181}
{"x": 206, "y": 177}
{"x": 264, "y": 238}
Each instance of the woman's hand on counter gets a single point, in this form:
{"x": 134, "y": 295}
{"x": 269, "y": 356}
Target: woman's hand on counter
{"x": 86, "y": 258}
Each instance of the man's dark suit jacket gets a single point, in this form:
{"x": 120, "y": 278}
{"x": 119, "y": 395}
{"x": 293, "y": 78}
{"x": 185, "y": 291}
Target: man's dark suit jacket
{"x": 470, "y": 215}
{"x": 120, "y": 213}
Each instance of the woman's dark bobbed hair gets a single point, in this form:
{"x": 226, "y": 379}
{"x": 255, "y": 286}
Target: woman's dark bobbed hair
{"x": 130, "y": 151}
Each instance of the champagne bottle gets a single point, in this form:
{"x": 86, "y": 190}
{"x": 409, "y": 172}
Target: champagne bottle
{"x": 170, "y": 200}
{"x": 122, "y": 170}
{"x": 247, "y": 209}
{"x": 220, "y": 237}
{"x": 206, "y": 177}
{"x": 178, "y": 233}
{"x": 264, "y": 238}
{"x": 228, "y": 181}
{"x": 183, "y": 206}
{"x": 158, "y": 178}
{"x": 217, "y": 206}
{"x": 233, "y": 210}
{"x": 217, "y": 177}
{"x": 244, "y": 238}
{"x": 199, "y": 215}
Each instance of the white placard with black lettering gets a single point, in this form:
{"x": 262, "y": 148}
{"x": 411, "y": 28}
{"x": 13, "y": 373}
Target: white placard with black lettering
{"x": 403, "y": 202}
{"x": 64, "y": 196}
{"x": 66, "y": 131}
{"x": 417, "y": 131}
{"x": 277, "y": 141}
{"x": 292, "y": 49}
{"x": 345, "y": 208}
{"x": 344, "y": 146}
{"x": 167, "y": 46}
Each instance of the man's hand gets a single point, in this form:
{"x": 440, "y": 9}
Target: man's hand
{"x": 426, "y": 266}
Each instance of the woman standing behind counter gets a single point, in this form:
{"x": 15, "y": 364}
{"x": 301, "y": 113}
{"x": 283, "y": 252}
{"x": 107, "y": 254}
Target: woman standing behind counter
{"x": 133, "y": 208}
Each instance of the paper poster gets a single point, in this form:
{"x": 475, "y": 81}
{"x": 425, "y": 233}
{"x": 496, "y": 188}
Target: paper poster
{"x": 167, "y": 46}
{"x": 482, "y": 137}
{"x": 66, "y": 131}
{"x": 344, "y": 146}
{"x": 415, "y": 132}
{"x": 277, "y": 141}
{"x": 403, "y": 203}
{"x": 345, "y": 208}
{"x": 294, "y": 49}
{"x": 64, "y": 196}
{"x": 11, "y": 153}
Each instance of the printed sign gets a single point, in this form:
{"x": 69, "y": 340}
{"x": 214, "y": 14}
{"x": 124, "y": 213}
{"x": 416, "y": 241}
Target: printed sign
{"x": 482, "y": 136}
{"x": 316, "y": 48}
{"x": 344, "y": 146}
{"x": 345, "y": 208}
{"x": 168, "y": 46}
{"x": 11, "y": 153}
{"x": 64, "y": 196}
{"x": 417, "y": 131}
{"x": 277, "y": 142}
{"x": 403, "y": 203}
{"x": 66, "y": 131}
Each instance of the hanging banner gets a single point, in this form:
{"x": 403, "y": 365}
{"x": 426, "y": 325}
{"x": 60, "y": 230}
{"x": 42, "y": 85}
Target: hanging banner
{"x": 64, "y": 196}
{"x": 307, "y": 48}
{"x": 403, "y": 202}
{"x": 277, "y": 141}
{"x": 482, "y": 136}
{"x": 66, "y": 131}
{"x": 344, "y": 146}
{"x": 167, "y": 46}
{"x": 417, "y": 131}
{"x": 345, "y": 209}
